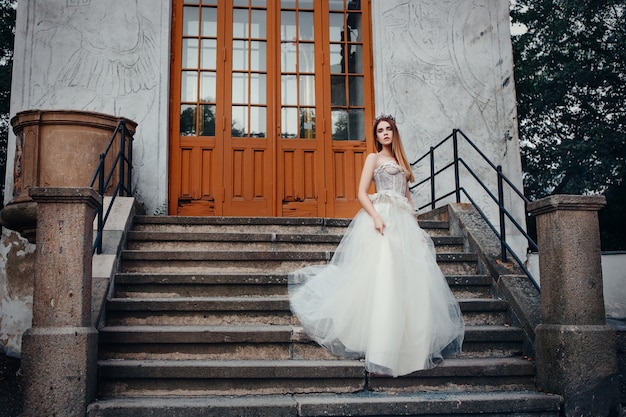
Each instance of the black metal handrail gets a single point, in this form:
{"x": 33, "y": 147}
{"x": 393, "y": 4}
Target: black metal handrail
{"x": 123, "y": 163}
{"x": 502, "y": 180}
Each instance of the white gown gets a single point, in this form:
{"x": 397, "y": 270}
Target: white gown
{"x": 381, "y": 296}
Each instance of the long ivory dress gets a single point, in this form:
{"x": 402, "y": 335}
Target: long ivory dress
{"x": 381, "y": 296}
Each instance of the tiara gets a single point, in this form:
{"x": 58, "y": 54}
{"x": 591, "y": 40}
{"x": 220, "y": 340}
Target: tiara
{"x": 384, "y": 117}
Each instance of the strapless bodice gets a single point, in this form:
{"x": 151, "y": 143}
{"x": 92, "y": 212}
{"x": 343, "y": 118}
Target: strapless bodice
{"x": 390, "y": 177}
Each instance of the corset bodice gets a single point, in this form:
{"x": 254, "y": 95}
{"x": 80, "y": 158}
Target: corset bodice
{"x": 390, "y": 177}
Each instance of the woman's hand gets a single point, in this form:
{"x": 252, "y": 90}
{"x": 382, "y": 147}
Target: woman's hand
{"x": 379, "y": 225}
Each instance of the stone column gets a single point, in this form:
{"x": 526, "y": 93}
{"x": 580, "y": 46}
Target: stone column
{"x": 575, "y": 349}
{"x": 59, "y": 352}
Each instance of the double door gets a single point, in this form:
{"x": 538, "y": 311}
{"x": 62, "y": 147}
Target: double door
{"x": 271, "y": 103}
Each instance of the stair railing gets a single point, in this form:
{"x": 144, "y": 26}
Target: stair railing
{"x": 502, "y": 180}
{"x": 124, "y": 166}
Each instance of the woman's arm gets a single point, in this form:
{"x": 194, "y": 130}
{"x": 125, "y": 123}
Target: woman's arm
{"x": 367, "y": 174}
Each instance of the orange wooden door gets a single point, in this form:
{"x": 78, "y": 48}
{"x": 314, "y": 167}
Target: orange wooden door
{"x": 269, "y": 107}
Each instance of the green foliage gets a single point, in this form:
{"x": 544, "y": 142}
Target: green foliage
{"x": 7, "y": 35}
{"x": 570, "y": 69}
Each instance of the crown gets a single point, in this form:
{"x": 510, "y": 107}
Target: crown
{"x": 384, "y": 117}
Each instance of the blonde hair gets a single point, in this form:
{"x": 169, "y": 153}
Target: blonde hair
{"x": 397, "y": 149}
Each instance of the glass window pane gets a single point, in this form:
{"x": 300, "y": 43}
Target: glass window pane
{"x": 354, "y": 23}
{"x": 240, "y": 87}
{"x": 239, "y": 126}
{"x": 189, "y": 86}
{"x": 289, "y": 122}
{"x": 289, "y": 90}
{"x": 340, "y": 124}
{"x": 307, "y": 57}
{"x": 356, "y": 91}
{"x": 207, "y": 122}
{"x": 356, "y": 59}
{"x": 209, "y": 54}
{"x": 240, "y": 23}
{"x": 258, "y": 3}
{"x": 208, "y": 87}
{"x": 214, "y": 2}
{"x": 192, "y": 1}
{"x": 338, "y": 90}
{"x": 258, "y": 122}
{"x": 335, "y": 4}
{"x": 307, "y": 123}
{"x": 190, "y": 53}
{"x": 190, "y": 21}
{"x": 336, "y": 27}
{"x": 187, "y": 120}
{"x": 258, "y": 87}
{"x": 356, "y": 126}
{"x": 258, "y": 25}
{"x": 305, "y": 26}
{"x": 257, "y": 56}
{"x": 240, "y": 3}
{"x": 336, "y": 59}
{"x": 288, "y": 26}
{"x": 307, "y": 90}
{"x": 288, "y": 57}
{"x": 305, "y": 4}
{"x": 209, "y": 21}
{"x": 240, "y": 55}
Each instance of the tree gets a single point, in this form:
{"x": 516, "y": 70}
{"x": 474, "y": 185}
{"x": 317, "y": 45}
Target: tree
{"x": 570, "y": 70}
{"x": 7, "y": 35}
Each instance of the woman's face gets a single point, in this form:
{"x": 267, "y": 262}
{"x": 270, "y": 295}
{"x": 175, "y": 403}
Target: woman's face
{"x": 384, "y": 133}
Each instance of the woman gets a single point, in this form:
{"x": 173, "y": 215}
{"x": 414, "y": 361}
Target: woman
{"x": 382, "y": 296}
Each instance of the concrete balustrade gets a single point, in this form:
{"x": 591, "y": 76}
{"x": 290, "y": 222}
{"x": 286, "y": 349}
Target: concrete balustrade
{"x": 576, "y": 350}
{"x": 59, "y": 352}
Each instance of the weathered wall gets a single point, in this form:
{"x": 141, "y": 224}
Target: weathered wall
{"x": 108, "y": 56}
{"x": 444, "y": 64}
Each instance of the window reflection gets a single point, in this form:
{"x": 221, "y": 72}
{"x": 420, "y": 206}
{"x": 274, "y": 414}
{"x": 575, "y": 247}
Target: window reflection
{"x": 239, "y": 122}
{"x": 189, "y": 86}
{"x": 190, "y": 21}
{"x": 209, "y": 21}
{"x": 348, "y": 124}
{"x": 190, "y": 53}
{"x": 207, "y": 121}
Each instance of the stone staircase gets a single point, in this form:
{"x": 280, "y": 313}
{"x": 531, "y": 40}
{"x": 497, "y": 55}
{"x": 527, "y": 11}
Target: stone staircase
{"x": 199, "y": 325}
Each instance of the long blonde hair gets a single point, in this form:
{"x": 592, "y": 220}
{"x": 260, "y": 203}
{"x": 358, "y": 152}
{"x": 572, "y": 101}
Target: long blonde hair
{"x": 397, "y": 149}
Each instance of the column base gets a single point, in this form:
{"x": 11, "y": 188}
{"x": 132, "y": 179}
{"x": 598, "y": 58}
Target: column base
{"x": 580, "y": 364}
{"x": 59, "y": 367}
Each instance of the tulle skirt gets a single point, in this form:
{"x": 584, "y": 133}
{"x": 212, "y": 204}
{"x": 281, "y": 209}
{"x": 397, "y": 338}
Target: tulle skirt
{"x": 381, "y": 297}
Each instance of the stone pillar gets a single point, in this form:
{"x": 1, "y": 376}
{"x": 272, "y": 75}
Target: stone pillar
{"x": 575, "y": 349}
{"x": 59, "y": 352}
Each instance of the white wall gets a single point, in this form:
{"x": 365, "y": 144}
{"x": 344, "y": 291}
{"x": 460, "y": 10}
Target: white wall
{"x": 613, "y": 281}
{"x": 440, "y": 65}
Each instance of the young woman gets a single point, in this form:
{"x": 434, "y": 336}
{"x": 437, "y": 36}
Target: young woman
{"x": 382, "y": 296}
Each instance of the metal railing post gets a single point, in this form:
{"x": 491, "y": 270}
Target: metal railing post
{"x": 432, "y": 178}
{"x": 457, "y": 177}
{"x": 501, "y": 213}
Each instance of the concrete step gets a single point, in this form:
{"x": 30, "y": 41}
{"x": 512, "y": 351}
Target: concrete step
{"x": 237, "y": 241}
{"x": 186, "y": 262}
{"x": 267, "y": 342}
{"x": 154, "y": 285}
{"x": 214, "y": 311}
{"x": 134, "y": 378}
{"x": 444, "y": 404}
{"x": 261, "y": 225}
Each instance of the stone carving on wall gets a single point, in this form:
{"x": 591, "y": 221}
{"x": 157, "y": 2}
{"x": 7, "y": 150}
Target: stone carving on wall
{"x": 447, "y": 52}
{"x": 96, "y": 55}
